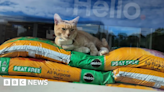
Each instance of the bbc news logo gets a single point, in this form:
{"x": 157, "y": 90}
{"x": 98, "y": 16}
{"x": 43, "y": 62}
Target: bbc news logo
{"x": 23, "y": 82}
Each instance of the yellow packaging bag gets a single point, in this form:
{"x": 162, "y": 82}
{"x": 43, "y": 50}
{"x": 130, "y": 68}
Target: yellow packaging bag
{"x": 139, "y": 76}
{"x": 45, "y": 49}
{"x": 134, "y": 57}
{"x": 129, "y": 86}
{"x": 52, "y": 70}
{"x": 121, "y": 57}
{"x": 34, "y": 47}
{"x": 43, "y": 69}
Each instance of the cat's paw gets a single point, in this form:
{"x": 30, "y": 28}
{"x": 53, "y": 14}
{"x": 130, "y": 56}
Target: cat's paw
{"x": 86, "y": 50}
{"x": 68, "y": 47}
{"x": 103, "y": 51}
{"x": 94, "y": 53}
{"x": 83, "y": 49}
{"x": 65, "y": 42}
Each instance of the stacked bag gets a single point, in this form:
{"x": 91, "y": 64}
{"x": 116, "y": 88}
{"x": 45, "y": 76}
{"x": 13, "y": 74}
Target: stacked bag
{"x": 42, "y": 58}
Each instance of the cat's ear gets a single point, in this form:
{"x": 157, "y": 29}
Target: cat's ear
{"x": 75, "y": 20}
{"x": 57, "y": 19}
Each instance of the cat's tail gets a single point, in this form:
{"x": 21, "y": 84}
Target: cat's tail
{"x": 105, "y": 43}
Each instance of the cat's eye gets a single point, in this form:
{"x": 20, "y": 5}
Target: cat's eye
{"x": 72, "y": 29}
{"x": 63, "y": 29}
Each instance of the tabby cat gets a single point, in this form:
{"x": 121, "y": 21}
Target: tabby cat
{"x": 70, "y": 38}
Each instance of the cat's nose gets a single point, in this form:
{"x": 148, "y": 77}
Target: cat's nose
{"x": 68, "y": 35}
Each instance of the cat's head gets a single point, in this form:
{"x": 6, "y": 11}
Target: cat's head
{"x": 65, "y": 29}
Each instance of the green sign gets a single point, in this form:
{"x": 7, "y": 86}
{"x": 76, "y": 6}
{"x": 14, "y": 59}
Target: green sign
{"x": 26, "y": 69}
{"x": 4, "y": 65}
{"x": 124, "y": 62}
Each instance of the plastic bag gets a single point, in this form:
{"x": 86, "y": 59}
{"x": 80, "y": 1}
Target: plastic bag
{"x": 51, "y": 70}
{"x": 140, "y": 77}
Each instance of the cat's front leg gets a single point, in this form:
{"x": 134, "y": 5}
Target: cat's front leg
{"x": 65, "y": 44}
{"x": 82, "y": 49}
{"x": 103, "y": 51}
{"x": 93, "y": 49}
{"x": 68, "y": 47}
